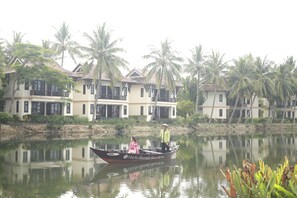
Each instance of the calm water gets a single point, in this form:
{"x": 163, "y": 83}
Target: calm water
{"x": 59, "y": 168}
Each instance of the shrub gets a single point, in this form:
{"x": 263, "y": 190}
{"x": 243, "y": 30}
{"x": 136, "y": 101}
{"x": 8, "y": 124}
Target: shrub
{"x": 5, "y": 118}
{"x": 262, "y": 182}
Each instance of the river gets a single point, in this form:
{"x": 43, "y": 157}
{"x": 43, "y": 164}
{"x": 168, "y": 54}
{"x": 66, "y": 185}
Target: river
{"x": 68, "y": 168}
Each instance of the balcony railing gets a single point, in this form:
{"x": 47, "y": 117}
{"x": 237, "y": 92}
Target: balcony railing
{"x": 112, "y": 97}
{"x": 164, "y": 99}
{"x": 49, "y": 93}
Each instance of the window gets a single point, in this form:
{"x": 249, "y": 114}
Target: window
{"x": 149, "y": 110}
{"x": 221, "y": 98}
{"x": 125, "y": 110}
{"x": 141, "y": 110}
{"x": 26, "y": 106}
{"x": 68, "y": 108}
{"x": 25, "y": 156}
{"x": 84, "y": 89}
{"x": 26, "y": 85}
{"x": 221, "y": 112}
{"x": 37, "y": 108}
{"x": 17, "y": 106}
{"x": 220, "y": 145}
{"x": 125, "y": 91}
{"x": 141, "y": 92}
{"x": 16, "y": 156}
{"x": 54, "y": 108}
{"x": 84, "y": 109}
{"x": 92, "y": 108}
{"x": 83, "y": 152}
{"x": 67, "y": 155}
{"x": 92, "y": 89}
{"x": 173, "y": 111}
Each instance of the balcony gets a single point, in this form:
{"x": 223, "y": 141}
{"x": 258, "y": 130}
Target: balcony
{"x": 112, "y": 97}
{"x": 164, "y": 99}
{"x": 49, "y": 93}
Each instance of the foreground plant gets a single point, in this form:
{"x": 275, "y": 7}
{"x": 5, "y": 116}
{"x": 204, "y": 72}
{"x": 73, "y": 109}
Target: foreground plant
{"x": 263, "y": 181}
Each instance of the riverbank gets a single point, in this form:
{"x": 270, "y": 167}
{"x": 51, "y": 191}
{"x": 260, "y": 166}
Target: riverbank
{"x": 29, "y": 131}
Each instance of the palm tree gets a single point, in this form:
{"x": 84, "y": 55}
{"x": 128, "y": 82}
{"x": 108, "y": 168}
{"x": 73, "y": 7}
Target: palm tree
{"x": 103, "y": 54}
{"x": 285, "y": 82}
{"x": 65, "y": 44}
{"x": 240, "y": 80}
{"x": 263, "y": 85}
{"x": 10, "y": 47}
{"x": 47, "y": 46}
{"x": 195, "y": 66}
{"x": 165, "y": 67}
{"x": 215, "y": 67}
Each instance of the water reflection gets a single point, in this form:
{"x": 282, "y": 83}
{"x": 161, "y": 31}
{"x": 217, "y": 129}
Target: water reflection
{"x": 70, "y": 168}
{"x": 148, "y": 179}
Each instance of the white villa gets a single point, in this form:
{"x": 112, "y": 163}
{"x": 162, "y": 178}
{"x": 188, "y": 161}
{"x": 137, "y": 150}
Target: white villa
{"x": 37, "y": 97}
{"x": 130, "y": 96}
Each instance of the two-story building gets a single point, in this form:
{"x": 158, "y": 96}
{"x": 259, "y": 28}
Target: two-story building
{"x": 112, "y": 99}
{"x": 37, "y": 96}
{"x": 143, "y": 94}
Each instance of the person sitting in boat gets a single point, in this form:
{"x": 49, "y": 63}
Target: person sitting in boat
{"x": 165, "y": 138}
{"x": 133, "y": 147}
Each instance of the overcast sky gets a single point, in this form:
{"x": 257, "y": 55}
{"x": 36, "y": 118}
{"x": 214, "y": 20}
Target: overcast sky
{"x": 232, "y": 27}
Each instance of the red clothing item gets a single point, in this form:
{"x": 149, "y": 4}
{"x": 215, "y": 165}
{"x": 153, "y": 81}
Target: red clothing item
{"x": 133, "y": 147}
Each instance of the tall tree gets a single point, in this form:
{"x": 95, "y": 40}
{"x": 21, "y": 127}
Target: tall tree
{"x": 165, "y": 67}
{"x": 48, "y": 48}
{"x": 10, "y": 46}
{"x": 104, "y": 57}
{"x": 240, "y": 77}
{"x": 285, "y": 83}
{"x": 215, "y": 68}
{"x": 195, "y": 66}
{"x": 64, "y": 43}
{"x": 262, "y": 80}
{"x": 33, "y": 64}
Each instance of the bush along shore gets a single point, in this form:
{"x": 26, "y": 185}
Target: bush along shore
{"x": 38, "y": 131}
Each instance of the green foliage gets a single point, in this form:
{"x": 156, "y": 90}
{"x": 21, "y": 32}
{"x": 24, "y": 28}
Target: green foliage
{"x": 185, "y": 108}
{"x": 197, "y": 118}
{"x": 120, "y": 127}
{"x": 264, "y": 182}
{"x": 59, "y": 119}
{"x": 5, "y": 118}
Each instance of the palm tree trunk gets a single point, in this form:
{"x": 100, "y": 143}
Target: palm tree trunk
{"x": 240, "y": 114}
{"x": 156, "y": 98}
{"x": 294, "y": 109}
{"x": 284, "y": 111}
{"x": 62, "y": 61}
{"x": 97, "y": 95}
{"x": 213, "y": 103}
{"x": 235, "y": 105}
{"x": 197, "y": 94}
{"x": 155, "y": 105}
{"x": 251, "y": 108}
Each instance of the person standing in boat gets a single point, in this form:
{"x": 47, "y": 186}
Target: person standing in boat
{"x": 165, "y": 138}
{"x": 133, "y": 147}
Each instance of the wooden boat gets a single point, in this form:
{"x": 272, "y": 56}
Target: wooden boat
{"x": 144, "y": 156}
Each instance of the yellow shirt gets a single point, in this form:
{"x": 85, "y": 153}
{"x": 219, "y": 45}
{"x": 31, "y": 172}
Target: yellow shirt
{"x": 165, "y": 136}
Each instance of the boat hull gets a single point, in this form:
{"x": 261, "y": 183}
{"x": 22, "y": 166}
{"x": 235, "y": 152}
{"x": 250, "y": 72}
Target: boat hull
{"x": 113, "y": 156}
